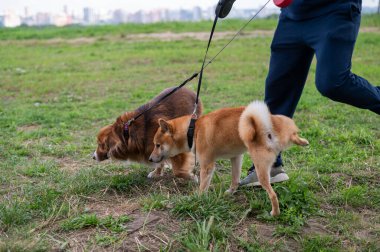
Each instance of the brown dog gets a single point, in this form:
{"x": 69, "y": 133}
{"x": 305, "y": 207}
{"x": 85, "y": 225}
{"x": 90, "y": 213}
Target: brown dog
{"x": 137, "y": 144}
{"x": 229, "y": 133}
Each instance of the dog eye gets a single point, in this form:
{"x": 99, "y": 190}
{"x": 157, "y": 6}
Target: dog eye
{"x": 158, "y": 145}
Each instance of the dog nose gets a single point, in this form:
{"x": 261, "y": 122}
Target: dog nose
{"x": 93, "y": 156}
{"x": 150, "y": 159}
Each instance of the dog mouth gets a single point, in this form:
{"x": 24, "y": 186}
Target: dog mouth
{"x": 96, "y": 157}
{"x": 156, "y": 160}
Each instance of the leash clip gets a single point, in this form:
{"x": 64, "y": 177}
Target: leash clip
{"x": 194, "y": 115}
{"x": 127, "y": 124}
{"x": 130, "y": 121}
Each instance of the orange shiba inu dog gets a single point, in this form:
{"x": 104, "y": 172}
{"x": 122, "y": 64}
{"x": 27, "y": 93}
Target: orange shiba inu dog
{"x": 229, "y": 133}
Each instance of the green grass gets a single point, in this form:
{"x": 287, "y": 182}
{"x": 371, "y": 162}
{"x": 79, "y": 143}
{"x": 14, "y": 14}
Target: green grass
{"x": 91, "y": 220}
{"x": 56, "y": 96}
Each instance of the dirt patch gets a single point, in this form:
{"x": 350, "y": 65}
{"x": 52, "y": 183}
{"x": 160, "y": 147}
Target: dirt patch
{"x": 112, "y": 205}
{"x": 315, "y": 227}
{"x": 341, "y": 176}
{"x": 164, "y": 36}
{"x": 148, "y": 231}
{"x": 370, "y": 29}
{"x": 71, "y": 165}
{"x": 170, "y": 36}
{"x": 29, "y": 128}
{"x": 254, "y": 231}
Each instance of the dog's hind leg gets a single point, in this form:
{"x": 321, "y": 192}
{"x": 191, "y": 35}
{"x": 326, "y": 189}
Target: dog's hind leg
{"x": 263, "y": 161}
{"x": 183, "y": 166}
{"x": 236, "y": 163}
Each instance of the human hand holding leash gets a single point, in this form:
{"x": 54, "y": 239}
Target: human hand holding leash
{"x": 224, "y": 6}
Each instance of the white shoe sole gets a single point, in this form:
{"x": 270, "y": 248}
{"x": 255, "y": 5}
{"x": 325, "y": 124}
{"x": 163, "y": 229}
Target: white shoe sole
{"x": 281, "y": 177}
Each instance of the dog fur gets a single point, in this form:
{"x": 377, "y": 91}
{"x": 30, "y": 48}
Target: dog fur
{"x": 229, "y": 133}
{"x": 138, "y": 144}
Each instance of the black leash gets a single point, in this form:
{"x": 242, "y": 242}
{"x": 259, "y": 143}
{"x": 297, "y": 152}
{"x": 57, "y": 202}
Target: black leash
{"x": 200, "y": 73}
{"x": 160, "y": 100}
{"x": 191, "y": 130}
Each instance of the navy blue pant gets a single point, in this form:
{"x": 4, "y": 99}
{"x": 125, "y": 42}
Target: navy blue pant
{"x": 332, "y": 39}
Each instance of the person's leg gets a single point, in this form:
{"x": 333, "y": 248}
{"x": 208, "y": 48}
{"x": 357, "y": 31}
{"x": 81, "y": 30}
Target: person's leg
{"x": 289, "y": 65}
{"x": 288, "y": 69}
{"x": 334, "y": 78}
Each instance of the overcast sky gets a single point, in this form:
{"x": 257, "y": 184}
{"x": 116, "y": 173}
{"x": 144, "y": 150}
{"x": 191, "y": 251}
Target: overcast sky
{"x": 56, "y": 6}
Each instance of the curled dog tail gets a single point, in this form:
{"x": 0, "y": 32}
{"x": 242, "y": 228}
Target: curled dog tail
{"x": 255, "y": 125}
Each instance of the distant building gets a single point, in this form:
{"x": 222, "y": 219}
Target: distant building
{"x": 119, "y": 17}
{"x": 26, "y": 12}
{"x": 66, "y": 10}
{"x": 62, "y": 20}
{"x": 197, "y": 13}
{"x": 156, "y": 16}
{"x": 89, "y": 16}
{"x": 43, "y": 18}
{"x": 174, "y": 15}
{"x": 185, "y": 15}
{"x": 136, "y": 17}
{"x": 10, "y": 19}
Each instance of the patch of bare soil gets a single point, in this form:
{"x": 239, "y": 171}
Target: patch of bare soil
{"x": 315, "y": 227}
{"x": 29, "y": 128}
{"x": 370, "y": 29}
{"x": 164, "y": 36}
{"x": 254, "y": 231}
{"x": 71, "y": 165}
{"x": 370, "y": 221}
{"x": 148, "y": 231}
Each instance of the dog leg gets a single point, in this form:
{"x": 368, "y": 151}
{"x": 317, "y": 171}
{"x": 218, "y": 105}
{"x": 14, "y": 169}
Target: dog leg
{"x": 263, "y": 161}
{"x": 183, "y": 166}
{"x": 207, "y": 170}
{"x": 158, "y": 171}
{"x": 236, "y": 163}
{"x": 263, "y": 177}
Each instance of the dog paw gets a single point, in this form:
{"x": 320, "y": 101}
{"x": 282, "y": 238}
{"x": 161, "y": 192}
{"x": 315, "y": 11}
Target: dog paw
{"x": 230, "y": 191}
{"x": 154, "y": 174}
{"x": 195, "y": 179}
{"x": 167, "y": 166}
{"x": 274, "y": 213}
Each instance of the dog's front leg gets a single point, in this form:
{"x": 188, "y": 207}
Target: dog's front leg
{"x": 183, "y": 166}
{"x": 236, "y": 163}
{"x": 207, "y": 170}
{"x": 158, "y": 171}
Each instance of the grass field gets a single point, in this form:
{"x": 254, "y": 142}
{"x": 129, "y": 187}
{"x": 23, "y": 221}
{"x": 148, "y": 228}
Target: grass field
{"x": 58, "y": 88}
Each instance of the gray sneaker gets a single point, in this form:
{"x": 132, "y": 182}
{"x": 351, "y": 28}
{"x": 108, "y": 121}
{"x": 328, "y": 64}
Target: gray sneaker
{"x": 277, "y": 174}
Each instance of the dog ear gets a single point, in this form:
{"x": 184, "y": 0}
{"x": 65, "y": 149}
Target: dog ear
{"x": 165, "y": 126}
